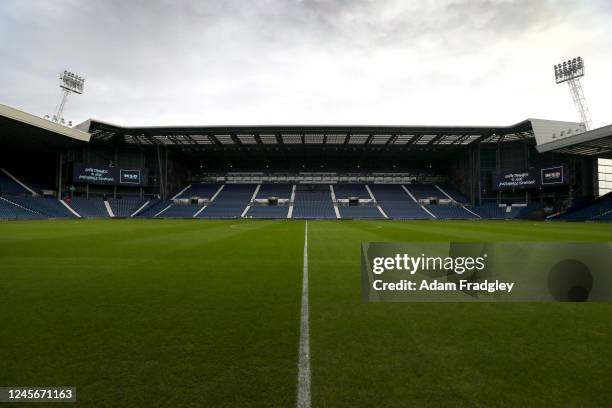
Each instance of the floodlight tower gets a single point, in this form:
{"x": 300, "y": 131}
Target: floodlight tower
{"x": 69, "y": 82}
{"x": 570, "y": 71}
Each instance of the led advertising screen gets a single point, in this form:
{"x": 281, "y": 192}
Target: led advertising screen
{"x": 516, "y": 179}
{"x": 524, "y": 179}
{"x": 84, "y": 173}
{"x": 552, "y": 176}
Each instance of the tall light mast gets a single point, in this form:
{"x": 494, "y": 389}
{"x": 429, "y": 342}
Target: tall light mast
{"x": 570, "y": 71}
{"x": 69, "y": 83}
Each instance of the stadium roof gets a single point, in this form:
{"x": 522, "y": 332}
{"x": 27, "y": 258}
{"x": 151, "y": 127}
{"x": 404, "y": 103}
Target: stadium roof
{"x": 596, "y": 142}
{"x": 307, "y": 135}
{"x": 19, "y": 124}
{"x": 558, "y": 136}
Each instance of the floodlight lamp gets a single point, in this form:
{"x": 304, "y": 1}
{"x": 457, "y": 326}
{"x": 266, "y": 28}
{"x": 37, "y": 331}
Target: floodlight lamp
{"x": 570, "y": 72}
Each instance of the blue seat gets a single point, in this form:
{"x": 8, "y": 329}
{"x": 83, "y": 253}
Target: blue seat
{"x": 230, "y": 203}
{"x": 313, "y": 201}
{"x": 396, "y": 203}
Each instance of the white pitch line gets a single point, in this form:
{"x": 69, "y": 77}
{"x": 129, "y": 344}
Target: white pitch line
{"x": 303, "y": 397}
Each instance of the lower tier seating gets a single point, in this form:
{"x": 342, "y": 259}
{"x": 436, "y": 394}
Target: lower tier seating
{"x": 231, "y": 201}
{"x": 396, "y": 203}
{"x": 154, "y": 207}
{"x": 10, "y": 211}
{"x": 450, "y": 212}
{"x": 89, "y": 207}
{"x": 268, "y": 211}
{"x": 313, "y": 201}
{"x": 493, "y": 211}
{"x": 599, "y": 209}
{"x": 48, "y": 207}
{"x": 360, "y": 212}
{"x": 125, "y": 206}
{"x": 180, "y": 211}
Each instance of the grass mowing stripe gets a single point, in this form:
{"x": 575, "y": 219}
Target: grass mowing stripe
{"x": 435, "y": 355}
{"x": 303, "y": 398}
{"x": 153, "y": 314}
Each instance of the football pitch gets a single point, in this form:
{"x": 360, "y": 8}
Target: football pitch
{"x": 185, "y": 313}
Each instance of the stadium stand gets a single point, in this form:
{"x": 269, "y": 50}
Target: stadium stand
{"x": 200, "y": 190}
{"x": 189, "y": 210}
{"x": 351, "y": 190}
{"x": 367, "y": 210}
{"x": 155, "y": 206}
{"x": 89, "y": 208}
{"x": 181, "y": 211}
{"x": 599, "y": 209}
{"x": 405, "y": 172}
{"x": 49, "y": 207}
{"x": 423, "y": 191}
{"x": 396, "y": 203}
{"x": 230, "y": 203}
{"x": 31, "y": 183}
{"x": 275, "y": 190}
{"x": 494, "y": 211}
{"x": 125, "y": 206}
{"x": 450, "y": 212}
{"x": 531, "y": 210}
{"x": 280, "y": 191}
{"x": 9, "y": 186}
{"x": 268, "y": 211}
{"x": 313, "y": 201}
{"x": 363, "y": 211}
{"x": 455, "y": 194}
{"x": 607, "y": 216}
{"x": 12, "y": 211}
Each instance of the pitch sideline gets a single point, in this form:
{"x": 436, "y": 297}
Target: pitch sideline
{"x": 303, "y": 397}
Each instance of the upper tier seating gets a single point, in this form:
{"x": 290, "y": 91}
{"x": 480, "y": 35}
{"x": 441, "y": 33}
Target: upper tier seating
{"x": 89, "y": 208}
{"x": 230, "y": 203}
{"x": 396, "y": 203}
{"x": 125, "y": 206}
{"x": 275, "y": 190}
{"x": 200, "y": 190}
{"x": 351, "y": 190}
{"x": 313, "y": 201}
{"x": 48, "y": 207}
{"x": 455, "y": 194}
{"x": 423, "y": 191}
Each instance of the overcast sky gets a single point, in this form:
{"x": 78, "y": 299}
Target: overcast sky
{"x": 400, "y": 62}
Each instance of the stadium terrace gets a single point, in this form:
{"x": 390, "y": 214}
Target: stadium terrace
{"x": 534, "y": 169}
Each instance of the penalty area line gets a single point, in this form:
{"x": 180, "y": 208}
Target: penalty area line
{"x": 303, "y": 397}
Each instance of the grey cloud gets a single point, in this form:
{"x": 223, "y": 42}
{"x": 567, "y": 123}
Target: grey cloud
{"x": 163, "y": 60}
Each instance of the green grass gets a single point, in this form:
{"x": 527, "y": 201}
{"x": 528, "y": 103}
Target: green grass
{"x": 206, "y": 313}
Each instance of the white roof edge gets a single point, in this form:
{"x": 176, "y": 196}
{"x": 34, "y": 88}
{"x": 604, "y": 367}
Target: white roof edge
{"x": 86, "y": 124}
{"x": 545, "y": 130}
{"x": 42, "y": 123}
{"x": 604, "y": 131}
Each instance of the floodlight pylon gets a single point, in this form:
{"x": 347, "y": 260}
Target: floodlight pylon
{"x": 571, "y": 71}
{"x": 69, "y": 83}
